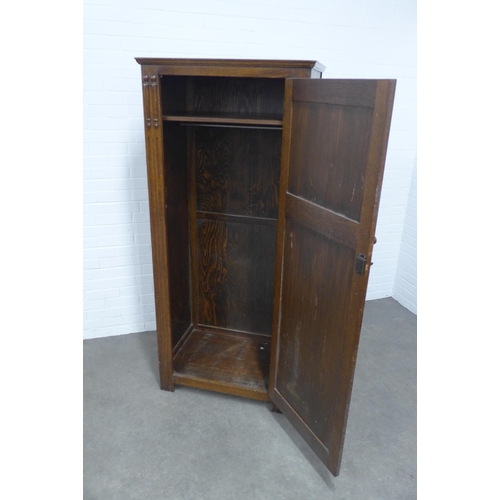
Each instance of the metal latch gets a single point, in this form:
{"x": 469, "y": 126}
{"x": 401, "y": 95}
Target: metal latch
{"x": 360, "y": 264}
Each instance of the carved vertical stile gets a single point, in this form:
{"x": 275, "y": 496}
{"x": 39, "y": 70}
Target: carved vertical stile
{"x": 156, "y": 190}
{"x": 147, "y": 111}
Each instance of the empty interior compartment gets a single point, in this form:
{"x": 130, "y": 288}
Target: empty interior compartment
{"x": 222, "y": 185}
{"x": 222, "y": 96}
{"x": 235, "y": 173}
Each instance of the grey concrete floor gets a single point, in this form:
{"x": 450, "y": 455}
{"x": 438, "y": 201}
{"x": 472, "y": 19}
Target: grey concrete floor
{"x": 144, "y": 443}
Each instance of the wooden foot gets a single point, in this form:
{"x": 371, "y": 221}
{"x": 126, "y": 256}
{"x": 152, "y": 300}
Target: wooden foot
{"x": 275, "y": 409}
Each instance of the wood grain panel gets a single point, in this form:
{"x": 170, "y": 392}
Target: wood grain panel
{"x": 326, "y": 222}
{"x": 333, "y": 142}
{"x": 228, "y": 119}
{"x": 307, "y": 434}
{"x": 227, "y": 71}
{"x": 334, "y": 163}
{"x": 176, "y": 190}
{"x": 233, "y": 364}
{"x": 237, "y": 95}
{"x": 316, "y": 305}
{"x": 235, "y": 64}
{"x": 235, "y": 270}
{"x": 237, "y": 171}
{"x": 236, "y": 218}
{"x": 159, "y": 244}
{"x": 343, "y": 92}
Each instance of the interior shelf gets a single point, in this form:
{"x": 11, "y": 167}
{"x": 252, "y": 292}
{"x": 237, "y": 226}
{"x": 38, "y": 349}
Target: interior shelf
{"x": 235, "y": 364}
{"x": 273, "y": 120}
{"x": 236, "y": 218}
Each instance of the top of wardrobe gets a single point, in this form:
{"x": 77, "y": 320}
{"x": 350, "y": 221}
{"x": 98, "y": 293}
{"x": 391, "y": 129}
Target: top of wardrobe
{"x": 234, "y": 67}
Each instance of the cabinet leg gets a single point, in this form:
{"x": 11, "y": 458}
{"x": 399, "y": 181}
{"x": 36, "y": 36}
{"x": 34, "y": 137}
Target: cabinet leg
{"x": 275, "y": 409}
{"x": 169, "y": 388}
{"x": 166, "y": 379}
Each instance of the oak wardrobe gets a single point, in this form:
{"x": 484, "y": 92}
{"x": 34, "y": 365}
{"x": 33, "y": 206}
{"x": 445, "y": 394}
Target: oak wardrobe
{"x": 264, "y": 182}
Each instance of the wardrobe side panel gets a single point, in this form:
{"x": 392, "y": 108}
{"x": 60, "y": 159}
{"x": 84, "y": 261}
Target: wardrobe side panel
{"x": 156, "y": 191}
{"x": 177, "y": 217}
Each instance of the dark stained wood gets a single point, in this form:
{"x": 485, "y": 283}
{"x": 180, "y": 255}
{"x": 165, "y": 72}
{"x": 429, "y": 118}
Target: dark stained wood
{"x": 235, "y": 67}
{"x": 176, "y": 87}
{"x": 322, "y": 220}
{"x": 157, "y": 201}
{"x": 219, "y": 100}
{"x": 236, "y": 218}
{"x": 234, "y": 63}
{"x": 280, "y": 235}
{"x": 232, "y": 332}
{"x": 235, "y": 274}
{"x": 357, "y": 93}
{"x": 333, "y": 160}
{"x": 237, "y": 171}
{"x": 193, "y": 229}
{"x": 384, "y": 101}
{"x": 264, "y": 183}
{"x": 262, "y": 120}
{"x": 177, "y": 227}
{"x": 232, "y": 364}
{"x": 234, "y": 184}
{"x": 311, "y": 338}
{"x": 333, "y": 142}
{"x": 182, "y": 340}
{"x": 244, "y": 96}
{"x": 225, "y": 71}
{"x": 237, "y": 174}
{"x": 174, "y": 91}
{"x": 275, "y": 409}
{"x": 294, "y": 418}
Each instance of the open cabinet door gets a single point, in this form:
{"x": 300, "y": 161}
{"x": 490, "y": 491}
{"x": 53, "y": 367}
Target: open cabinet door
{"x": 335, "y": 137}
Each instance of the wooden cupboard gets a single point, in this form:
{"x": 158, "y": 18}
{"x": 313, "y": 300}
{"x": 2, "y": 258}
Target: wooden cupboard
{"x": 264, "y": 182}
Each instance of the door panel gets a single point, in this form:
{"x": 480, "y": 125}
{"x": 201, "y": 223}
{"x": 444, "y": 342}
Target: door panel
{"x": 325, "y": 136}
{"x": 335, "y": 136}
{"x": 309, "y": 360}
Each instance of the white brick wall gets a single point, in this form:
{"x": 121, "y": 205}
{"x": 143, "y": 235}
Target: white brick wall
{"x": 405, "y": 283}
{"x": 355, "y": 39}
